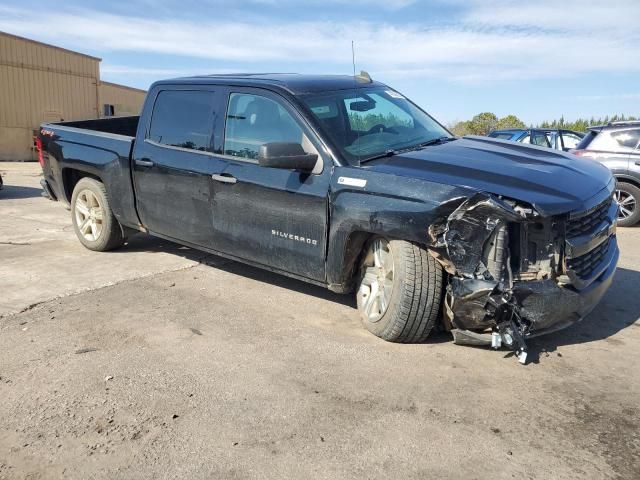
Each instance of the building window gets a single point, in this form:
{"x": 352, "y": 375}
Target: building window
{"x": 109, "y": 110}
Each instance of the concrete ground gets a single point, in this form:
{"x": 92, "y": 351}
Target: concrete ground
{"x": 157, "y": 361}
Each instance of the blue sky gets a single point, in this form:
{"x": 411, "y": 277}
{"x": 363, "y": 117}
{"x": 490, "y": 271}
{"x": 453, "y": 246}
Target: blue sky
{"x": 537, "y": 60}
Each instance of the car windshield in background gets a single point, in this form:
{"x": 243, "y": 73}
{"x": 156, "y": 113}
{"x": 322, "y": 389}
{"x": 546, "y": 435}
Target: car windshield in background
{"x": 370, "y": 122}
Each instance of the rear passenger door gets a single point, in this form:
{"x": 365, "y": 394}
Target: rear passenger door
{"x": 620, "y": 147}
{"x": 270, "y": 216}
{"x": 569, "y": 140}
{"x": 173, "y": 163}
{"x": 634, "y": 164}
{"x": 540, "y": 138}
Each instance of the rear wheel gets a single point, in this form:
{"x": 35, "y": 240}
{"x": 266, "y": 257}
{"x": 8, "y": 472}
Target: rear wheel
{"x": 628, "y": 197}
{"x": 93, "y": 221}
{"x": 399, "y": 291}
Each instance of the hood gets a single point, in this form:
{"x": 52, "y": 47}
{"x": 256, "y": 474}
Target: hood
{"x": 553, "y": 182}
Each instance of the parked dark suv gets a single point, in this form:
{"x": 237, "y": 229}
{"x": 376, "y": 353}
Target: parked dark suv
{"x": 617, "y": 145}
{"x": 558, "y": 139}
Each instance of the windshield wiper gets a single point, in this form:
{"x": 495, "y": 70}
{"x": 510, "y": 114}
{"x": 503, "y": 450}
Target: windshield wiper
{"x": 419, "y": 146}
{"x": 434, "y": 141}
{"x": 387, "y": 153}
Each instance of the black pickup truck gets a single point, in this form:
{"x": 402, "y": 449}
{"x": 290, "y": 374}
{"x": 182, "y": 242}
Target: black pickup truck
{"x": 343, "y": 182}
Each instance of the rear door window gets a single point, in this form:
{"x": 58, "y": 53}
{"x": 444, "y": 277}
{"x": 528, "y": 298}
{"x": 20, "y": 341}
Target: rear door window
{"x": 541, "y": 139}
{"x": 184, "y": 119}
{"x": 614, "y": 141}
{"x": 627, "y": 139}
{"x": 570, "y": 140}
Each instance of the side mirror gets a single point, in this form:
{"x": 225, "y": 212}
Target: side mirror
{"x": 289, "y": 156}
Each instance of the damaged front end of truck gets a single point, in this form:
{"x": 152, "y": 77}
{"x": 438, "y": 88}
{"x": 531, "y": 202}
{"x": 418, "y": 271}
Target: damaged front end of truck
{"x": 515, "y": 273}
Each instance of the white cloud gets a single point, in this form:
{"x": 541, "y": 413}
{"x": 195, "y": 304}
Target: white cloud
{"x": 611, "y": 17}
{"x": 159, "y": 72}
{"x": 384, "y": 4}
{"x": 490, "y": 43}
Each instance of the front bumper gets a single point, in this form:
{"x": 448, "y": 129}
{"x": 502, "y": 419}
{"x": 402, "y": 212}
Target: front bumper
{"x": 551, "y": 307}
{"x": 560, "y": 269}
{"x": 544, "y": 306}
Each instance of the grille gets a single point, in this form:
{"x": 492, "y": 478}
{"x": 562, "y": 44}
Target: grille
{"x": 584, "y": 265}
{"x": 587, "y": 221}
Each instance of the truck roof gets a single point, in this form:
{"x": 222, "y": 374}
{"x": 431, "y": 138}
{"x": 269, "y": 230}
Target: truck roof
{"x": 294, "y": 83}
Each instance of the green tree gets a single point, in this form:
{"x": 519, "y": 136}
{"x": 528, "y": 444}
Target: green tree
{"x": 483, "y": 123}
{"x": 461, "y": 129}
{"x": 510, "y": 121}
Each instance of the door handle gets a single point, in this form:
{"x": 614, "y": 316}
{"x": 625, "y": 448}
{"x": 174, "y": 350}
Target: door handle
{"x": 144, "y": 162}
{"x": 224, "y": 178}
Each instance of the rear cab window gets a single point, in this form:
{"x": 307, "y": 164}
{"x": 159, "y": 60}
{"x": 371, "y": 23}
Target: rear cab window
{"x": 183, "y": 119}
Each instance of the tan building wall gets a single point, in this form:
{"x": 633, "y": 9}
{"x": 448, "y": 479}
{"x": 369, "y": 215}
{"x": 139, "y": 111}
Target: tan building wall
{"x": 40, "y": 83}
{"x": 124, "y": 100}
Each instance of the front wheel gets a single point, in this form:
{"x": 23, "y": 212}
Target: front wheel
{"x": 628, "y": 197}
{"x": 399, "y": 291}
{"x": 95, "y": 225}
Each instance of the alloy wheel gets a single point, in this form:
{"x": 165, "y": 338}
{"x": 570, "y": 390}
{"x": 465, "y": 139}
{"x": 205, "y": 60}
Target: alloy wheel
{"x": 627, "y": 204}
{"x": 89, "y": 215}
{"x": 376, "y": 286}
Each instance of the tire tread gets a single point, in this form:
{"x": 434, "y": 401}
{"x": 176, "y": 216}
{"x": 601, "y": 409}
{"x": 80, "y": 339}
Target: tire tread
{"x": 420, "y": 293}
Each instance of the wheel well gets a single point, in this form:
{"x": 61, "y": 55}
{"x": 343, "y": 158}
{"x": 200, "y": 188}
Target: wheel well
{"x": 632, "y": 181}
{"x": 352, "y": 253}
{"x": 70, "y": 178}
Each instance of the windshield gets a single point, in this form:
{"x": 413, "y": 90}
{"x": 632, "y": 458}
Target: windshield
{"x": 369, "y": 122}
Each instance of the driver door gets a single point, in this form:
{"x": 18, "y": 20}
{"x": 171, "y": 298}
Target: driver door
{"x": 273, "y": 217}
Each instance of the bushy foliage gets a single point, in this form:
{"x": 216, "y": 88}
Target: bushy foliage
{"x": 581, "y": 124}
{"x": 484, "y": 123}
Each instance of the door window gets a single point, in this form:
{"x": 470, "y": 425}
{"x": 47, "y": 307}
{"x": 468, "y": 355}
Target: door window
{"x": 570, "y": 140}
{"x": 253, "y": 120}
{"x": 628, "y": 139}
{"x": 541, "y": 138}
{"x": 183, "y": 119}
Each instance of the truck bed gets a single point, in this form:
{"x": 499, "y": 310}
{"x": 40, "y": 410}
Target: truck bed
{"x": 100, "y": 148}
{"x": 126, "y": 126}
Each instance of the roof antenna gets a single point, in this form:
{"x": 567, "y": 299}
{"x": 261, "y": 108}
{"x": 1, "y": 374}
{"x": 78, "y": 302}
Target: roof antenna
{"x": 355, "y": 88}
{"x": 363, "y": 77}
{"x": 353, "y": 57}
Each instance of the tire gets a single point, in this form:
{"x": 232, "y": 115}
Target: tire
{"x": 93, "y": 221}
{"x": 628, "y": 196}
{"x": 415, "y": 285}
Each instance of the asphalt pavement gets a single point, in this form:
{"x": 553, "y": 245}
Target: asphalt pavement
{"x": 158, "y": 361}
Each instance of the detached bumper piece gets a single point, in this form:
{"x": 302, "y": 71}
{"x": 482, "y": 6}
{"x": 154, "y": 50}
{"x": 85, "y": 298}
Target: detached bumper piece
{"x": 515, "y": 274}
